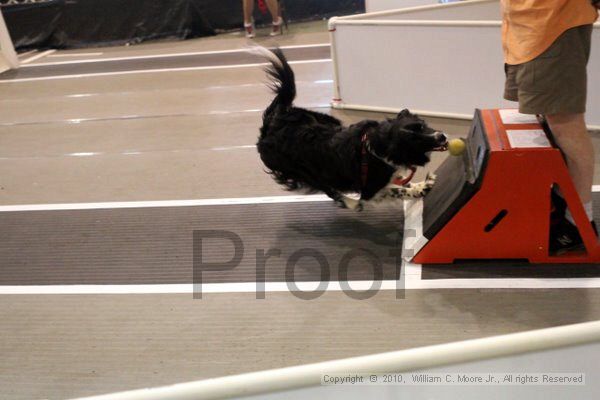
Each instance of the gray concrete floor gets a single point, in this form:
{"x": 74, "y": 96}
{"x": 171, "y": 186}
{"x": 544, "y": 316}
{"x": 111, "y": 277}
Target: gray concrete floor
{"x": 160, "y": 137}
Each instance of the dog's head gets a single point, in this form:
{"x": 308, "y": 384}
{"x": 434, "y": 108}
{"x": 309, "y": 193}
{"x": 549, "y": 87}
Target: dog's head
{"x": 406, "y": 140}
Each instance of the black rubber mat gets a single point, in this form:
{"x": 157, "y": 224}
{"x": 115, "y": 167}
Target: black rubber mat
{"x": 155, "y": 245}
{"x": 198, "y": 60}
{"x": 513, "y": 269}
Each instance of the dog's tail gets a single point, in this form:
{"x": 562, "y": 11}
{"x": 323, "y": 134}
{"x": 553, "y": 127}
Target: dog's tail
{"x": 282, "y": 79}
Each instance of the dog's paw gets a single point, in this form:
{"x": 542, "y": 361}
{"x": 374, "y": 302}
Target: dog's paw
{"x": 419, "y": 189}
{"x": 353, "y": 204}
{"x": 340, "y": 203}
{"x": 430, "y": 181}
{"x": 347, "y": 202}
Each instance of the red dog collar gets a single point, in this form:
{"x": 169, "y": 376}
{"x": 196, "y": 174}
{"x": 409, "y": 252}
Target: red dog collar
{"x": 364, "y": 161}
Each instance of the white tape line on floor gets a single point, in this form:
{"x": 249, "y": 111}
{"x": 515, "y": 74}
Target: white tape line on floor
{"x": 163, "y": 203}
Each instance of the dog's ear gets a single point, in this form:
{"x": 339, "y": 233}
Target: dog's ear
{"x": 404, "y": 113}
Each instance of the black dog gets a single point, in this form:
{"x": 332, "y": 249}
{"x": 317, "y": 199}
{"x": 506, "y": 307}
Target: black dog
{"x": 307, "y": 150}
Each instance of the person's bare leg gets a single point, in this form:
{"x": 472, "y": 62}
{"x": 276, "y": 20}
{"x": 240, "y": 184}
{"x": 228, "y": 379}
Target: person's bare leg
{"x": 273, "y": 7}
{"x": 248, "y": 6}
{"x": 572, "y": 137}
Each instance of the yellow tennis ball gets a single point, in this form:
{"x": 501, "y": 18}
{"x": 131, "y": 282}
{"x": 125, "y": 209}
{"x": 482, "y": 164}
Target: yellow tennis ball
{"x": 456, "y": 147}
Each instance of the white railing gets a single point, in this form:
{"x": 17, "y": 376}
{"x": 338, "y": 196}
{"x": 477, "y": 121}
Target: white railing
{"x": 565, "y": 349}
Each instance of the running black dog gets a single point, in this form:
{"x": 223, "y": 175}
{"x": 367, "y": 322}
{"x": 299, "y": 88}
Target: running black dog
{"x": 311, "y": 151}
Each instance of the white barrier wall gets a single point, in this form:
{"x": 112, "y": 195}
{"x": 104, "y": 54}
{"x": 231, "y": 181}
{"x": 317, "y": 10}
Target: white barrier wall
{"x": 382, "y": 5}
{"x": 8, "y": 57}
{"x": 443, "y": 59}
{"x": 468, "y": 10}
{"x": 521, "y": 370}
{"x": 570, "y": 351}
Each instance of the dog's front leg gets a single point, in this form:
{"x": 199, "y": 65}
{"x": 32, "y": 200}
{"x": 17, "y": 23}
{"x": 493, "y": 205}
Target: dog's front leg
{"x": 350, "y": 203}
{"x": 409, "y": 190}
{"x": 344, "y": 201}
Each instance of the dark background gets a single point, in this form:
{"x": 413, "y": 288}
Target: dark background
{"x": 87, "y": 23}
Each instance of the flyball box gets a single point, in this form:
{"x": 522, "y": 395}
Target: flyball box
{"x": 493, "y": 202}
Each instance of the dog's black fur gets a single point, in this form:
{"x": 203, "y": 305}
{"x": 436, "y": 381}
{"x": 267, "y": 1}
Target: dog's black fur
{"x": 311, "y": 151}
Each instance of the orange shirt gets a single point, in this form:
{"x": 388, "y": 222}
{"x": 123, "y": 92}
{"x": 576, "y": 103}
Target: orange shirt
{"x": 529, "y": 27}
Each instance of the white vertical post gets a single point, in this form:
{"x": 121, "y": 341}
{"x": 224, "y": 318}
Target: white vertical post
{"x": 8, "y": 56}
{"x": 336, "y": 88}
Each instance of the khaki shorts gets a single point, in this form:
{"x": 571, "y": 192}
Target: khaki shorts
{"x": 556, "y": 81}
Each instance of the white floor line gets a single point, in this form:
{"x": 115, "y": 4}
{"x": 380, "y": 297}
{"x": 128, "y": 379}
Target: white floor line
{"x": 243, "y": 287}
{"x": 23, "y": 55}
{"x": 36, "y": 57}
{"x": 408, "y": 226}
{"x": 508, "y": 283}
{"x": 152, "y": 71}
{"x": 152, "y": 56}
{"x": 410, "y": 283}
{"x": 164, "y": 203}
{"x": 68, "y": 55}
{"x": 259, "y": 85}
{"x": 134, "y": 117}
{"x": 226, "y": 148}
{"x": 413, "y": 232}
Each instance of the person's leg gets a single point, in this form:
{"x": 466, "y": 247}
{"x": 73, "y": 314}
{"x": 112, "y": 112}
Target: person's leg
{"x": 554, "y": 84}
{"x": 273, "y": 7}
{"x": 572, "y": 137}
{"x": 248, "y": 6}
